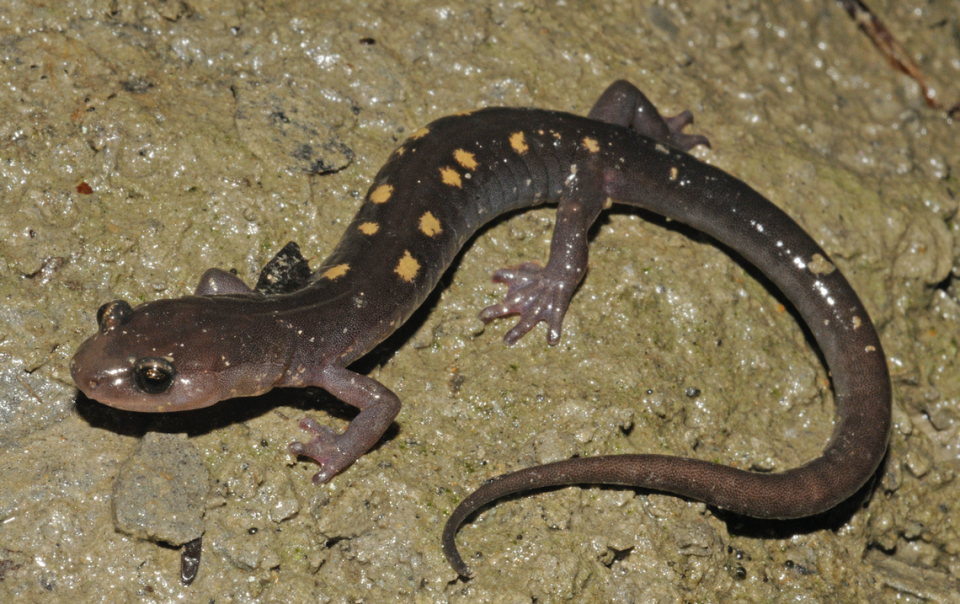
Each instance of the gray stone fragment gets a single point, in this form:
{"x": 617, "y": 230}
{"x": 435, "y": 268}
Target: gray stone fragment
{"x": 161, "y": 490}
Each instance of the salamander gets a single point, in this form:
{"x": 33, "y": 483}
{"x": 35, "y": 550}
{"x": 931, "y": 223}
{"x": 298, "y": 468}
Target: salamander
{"x": 299, "y": 328}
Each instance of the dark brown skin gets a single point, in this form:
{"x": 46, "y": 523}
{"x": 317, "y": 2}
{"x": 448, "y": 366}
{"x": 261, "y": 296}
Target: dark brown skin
{"x": 301, "y": 329}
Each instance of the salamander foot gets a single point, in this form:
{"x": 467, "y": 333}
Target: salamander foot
{"x": 533, "y": 295}
{"x": 323, "y": 449}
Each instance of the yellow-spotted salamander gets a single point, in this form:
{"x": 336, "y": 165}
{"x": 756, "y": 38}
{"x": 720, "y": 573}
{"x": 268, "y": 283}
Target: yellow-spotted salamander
{"x": 303, "y": 328}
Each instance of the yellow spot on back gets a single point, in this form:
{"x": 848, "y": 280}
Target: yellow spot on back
{"x": 381, "y": 194}
{"x": 450, "y": 177}
{"x": 591, "y": 144}
{"x": 518, "y": 143}
{"x": 464, "y": 113}
{"x": 336, "y": 272}
{"x": 674, "y": 173}
{"x": 400, "y": 150}
{"x": 408, "y": 267}
{"x": 422, "y": 132}
{"x": 369, "y": 228}
{"x": 429, "y": 224}
{"x": 465, "y": 159}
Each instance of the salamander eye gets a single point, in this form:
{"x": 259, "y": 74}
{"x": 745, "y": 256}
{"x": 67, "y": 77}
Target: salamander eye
{"x": 112, "y": 315}
{"x": 153, "y": 375}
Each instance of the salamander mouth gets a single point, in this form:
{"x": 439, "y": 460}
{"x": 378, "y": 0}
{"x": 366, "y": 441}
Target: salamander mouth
{"x": 95, "y": 381}
{"x": 94, "y": 385}
{"x": 81, "y": 377}
{"x": 87, "y": 385}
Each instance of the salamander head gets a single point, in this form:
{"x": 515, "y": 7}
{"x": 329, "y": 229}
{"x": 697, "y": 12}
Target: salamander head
{"x": 173, "y": 355}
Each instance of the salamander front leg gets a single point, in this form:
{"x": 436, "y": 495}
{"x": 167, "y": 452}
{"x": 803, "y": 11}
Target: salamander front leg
{"x": 217, "y": 282}
{"x": 543, "y": 293}
{"x": 334, "y": 452}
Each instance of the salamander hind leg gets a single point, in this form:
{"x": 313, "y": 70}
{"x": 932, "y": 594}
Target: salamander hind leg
{"x": 623, "y": 104}
{"x": 533, "y": 294}
{"x": 538, "y": 293}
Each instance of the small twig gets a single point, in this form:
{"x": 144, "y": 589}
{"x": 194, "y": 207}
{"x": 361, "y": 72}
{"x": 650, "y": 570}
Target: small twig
{"x": 32, "y": 392}
{"x": 891, "y": 49}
